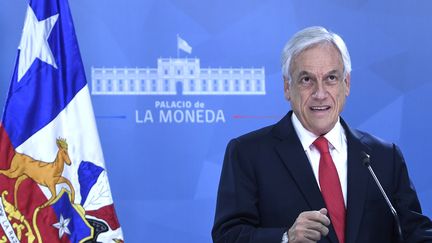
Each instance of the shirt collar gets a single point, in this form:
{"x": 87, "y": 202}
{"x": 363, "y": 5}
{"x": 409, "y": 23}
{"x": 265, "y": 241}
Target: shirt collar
{"x": 336, "y": 136}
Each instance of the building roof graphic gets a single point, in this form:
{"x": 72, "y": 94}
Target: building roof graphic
{"x": 174, "y": 76}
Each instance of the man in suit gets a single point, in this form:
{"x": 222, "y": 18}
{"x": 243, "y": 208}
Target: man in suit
{"x": 303, "y": 179}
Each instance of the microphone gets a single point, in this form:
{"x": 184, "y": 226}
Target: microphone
{"x": 366, "y": 162}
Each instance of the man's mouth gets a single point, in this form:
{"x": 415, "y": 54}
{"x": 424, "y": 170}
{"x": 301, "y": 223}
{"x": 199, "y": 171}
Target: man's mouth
{"x": 320, "y": 108}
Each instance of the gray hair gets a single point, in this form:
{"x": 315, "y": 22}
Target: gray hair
{"x": 307, "y": 38}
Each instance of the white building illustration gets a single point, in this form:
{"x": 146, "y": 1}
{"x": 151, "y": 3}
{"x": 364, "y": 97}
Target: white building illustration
{"x": 178, "y": 76}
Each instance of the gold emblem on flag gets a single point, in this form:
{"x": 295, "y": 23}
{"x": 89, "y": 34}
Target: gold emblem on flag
{"x": 47, "y": 174}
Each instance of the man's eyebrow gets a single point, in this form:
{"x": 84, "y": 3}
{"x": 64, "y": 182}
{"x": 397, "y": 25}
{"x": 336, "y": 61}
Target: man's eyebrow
{"x": 306, "y": 73}
{"x": 334, "y": 71}
{"x": 302, "y": 73}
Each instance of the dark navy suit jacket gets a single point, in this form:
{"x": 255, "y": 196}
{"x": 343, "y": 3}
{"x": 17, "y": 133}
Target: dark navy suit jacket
{"x": 267, "y": 181}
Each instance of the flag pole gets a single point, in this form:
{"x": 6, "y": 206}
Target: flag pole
{"x": 177, "y": 46}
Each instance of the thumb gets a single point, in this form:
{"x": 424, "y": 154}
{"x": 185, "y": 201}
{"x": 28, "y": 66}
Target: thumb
{"x": 323, "y": 211}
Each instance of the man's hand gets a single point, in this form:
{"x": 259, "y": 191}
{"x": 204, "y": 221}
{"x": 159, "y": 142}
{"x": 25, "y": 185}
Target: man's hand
{"x": 310, "y": 226}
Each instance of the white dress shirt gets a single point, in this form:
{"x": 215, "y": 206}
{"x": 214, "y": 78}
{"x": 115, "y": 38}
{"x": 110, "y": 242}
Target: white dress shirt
{"x": 338, "y": 150}
{"x": 337, "y": 146}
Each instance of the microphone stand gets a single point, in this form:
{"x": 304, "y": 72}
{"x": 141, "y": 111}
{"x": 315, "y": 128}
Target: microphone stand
{"x": 366, "y": 162}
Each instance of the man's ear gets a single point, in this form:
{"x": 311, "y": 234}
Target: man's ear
{"x": 347, "y": 84}
{"x": 286, "y": 89}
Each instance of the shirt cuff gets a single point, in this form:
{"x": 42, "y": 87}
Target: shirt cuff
{"x": 285, "y": 237}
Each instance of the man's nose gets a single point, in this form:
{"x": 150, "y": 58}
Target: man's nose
{"x": 320, "y": 91}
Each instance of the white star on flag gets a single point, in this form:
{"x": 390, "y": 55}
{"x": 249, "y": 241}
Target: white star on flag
{"x": 34, "y": 42}
{"x": 62, "y": 226}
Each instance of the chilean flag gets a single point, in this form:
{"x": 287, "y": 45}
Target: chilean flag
{"x": 53, "y": 182}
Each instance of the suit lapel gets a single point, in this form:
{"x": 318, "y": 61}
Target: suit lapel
{"x": 293, "y": 156}
{"x": 356, "y": 184}
{"x": 300, "y": 169}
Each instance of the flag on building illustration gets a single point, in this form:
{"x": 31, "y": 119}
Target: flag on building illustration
{"x": 183, "y": 45}
{"x": 53, "y": 182}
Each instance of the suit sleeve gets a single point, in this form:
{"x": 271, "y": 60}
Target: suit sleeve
{"x": 415, "y": 226}
{"x": 237, "y": 216}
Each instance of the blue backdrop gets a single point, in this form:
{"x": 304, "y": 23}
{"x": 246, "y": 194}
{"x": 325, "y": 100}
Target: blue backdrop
{"x": 164, "y": 171}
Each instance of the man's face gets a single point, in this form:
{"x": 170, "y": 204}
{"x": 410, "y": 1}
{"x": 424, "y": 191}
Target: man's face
{"x": 318, "y": 89}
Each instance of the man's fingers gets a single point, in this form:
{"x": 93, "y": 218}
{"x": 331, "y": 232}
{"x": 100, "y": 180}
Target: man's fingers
{"x": 323, "y": 211}
{"x": 318, "y": 227}
{"x": 312, "y": 235}
{"x": 326, "y": 220}
{"x": 318, "y": 216}
{"x": 309, "y": 226}
{"x": 298, "y": 233}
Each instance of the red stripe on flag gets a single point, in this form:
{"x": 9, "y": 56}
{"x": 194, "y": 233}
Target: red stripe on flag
{"x": 6, "y": 149}
{"x": 108, "y": 214}
{"x": 30, "y": 196}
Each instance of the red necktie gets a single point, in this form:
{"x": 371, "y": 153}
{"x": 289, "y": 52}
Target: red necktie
{"x": 330, "y": 188}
